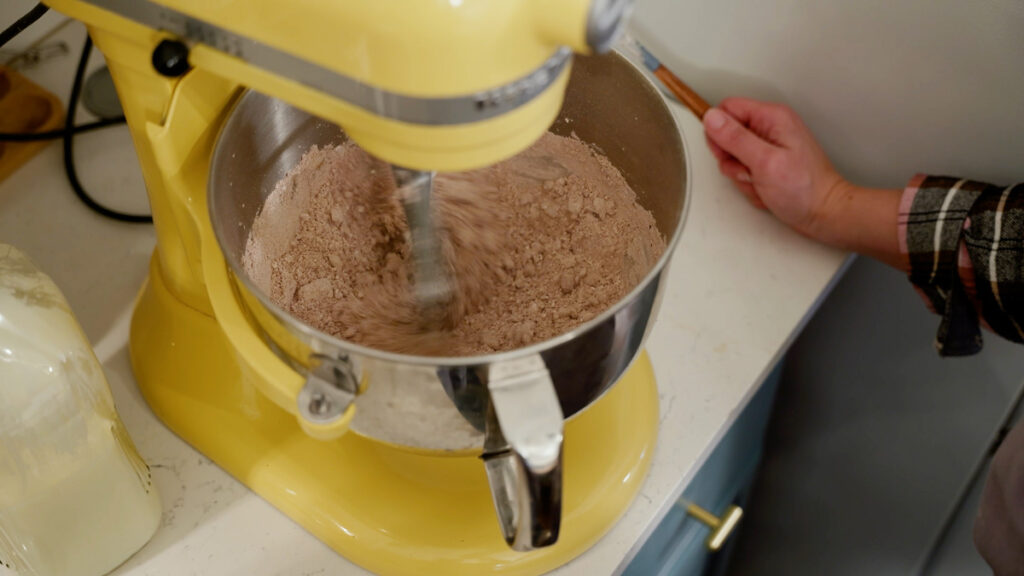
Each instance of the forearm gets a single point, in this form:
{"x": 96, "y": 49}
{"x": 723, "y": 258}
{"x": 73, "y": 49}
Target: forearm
{"x": 863, "y": 220}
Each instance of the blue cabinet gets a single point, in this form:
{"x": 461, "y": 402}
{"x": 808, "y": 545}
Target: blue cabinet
{"x": 678, "y": 547}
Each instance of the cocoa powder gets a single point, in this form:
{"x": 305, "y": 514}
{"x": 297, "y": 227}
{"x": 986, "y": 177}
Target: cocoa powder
{"x": 537, "y": 244}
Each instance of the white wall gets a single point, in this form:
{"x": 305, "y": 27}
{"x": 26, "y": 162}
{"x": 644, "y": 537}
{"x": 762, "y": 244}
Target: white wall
{"x": 891, "y": 87}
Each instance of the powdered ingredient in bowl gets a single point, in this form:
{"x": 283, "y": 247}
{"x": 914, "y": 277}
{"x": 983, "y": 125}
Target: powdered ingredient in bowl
{"x": 539, "y": 244}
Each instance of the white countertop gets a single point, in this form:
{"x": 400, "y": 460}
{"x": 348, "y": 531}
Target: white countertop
{"x": 740, "y": 288}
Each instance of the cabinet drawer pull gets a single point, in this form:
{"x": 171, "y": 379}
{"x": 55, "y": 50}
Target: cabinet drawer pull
{"x": 721, "y": 528}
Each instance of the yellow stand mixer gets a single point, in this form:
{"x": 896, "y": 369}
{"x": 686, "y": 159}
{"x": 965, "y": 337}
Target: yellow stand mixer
{"x": 428, "y": 85}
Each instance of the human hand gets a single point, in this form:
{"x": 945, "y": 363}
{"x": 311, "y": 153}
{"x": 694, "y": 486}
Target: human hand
{"x": 771, "y": 156}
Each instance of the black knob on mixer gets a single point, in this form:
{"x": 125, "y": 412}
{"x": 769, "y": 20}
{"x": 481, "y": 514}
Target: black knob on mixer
{"x": 170, "y": 58}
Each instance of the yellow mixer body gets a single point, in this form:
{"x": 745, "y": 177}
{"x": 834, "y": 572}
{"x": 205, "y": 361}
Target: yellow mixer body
{"x": 199, "y": 361}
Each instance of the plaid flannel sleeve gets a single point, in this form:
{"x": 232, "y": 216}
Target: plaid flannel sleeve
{"x": 964, "y": 245}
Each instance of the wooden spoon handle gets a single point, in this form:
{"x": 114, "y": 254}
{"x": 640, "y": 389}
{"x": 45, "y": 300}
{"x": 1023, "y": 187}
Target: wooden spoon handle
{"x": 686, "y": 95}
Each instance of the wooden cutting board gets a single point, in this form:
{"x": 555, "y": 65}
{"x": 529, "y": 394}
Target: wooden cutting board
{"x": 24, "y": 108}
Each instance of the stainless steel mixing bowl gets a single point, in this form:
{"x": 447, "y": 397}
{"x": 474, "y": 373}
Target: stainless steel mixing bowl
{"x": 512, "y": 404}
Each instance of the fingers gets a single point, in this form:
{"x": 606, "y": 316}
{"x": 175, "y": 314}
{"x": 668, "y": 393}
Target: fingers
{"x": 745, "y": 109}
{"x": 741, "y": 178}
{"x": 740, "y": 134}
{"x": 757, "y": 202}
{"x": 716, "y": 150}
{"x": 735, "y": 171}
{"x": 751, "y": 194}
{"x": 776, "y": 123}
{"x": 734, "y": 138}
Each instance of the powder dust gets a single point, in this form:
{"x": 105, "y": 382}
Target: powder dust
{"x": 537, "y": 244}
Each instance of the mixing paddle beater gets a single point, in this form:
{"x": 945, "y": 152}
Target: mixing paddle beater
{"x": 432, "y": 283}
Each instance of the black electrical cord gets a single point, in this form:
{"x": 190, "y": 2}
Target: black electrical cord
{"x": 22, "y": 23}
{"x": 55, "y": 134}
{"x": 69, "y": 156}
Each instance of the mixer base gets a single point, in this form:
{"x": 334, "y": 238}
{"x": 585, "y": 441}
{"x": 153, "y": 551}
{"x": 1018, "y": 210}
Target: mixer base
{"x": 390, "y": 510}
